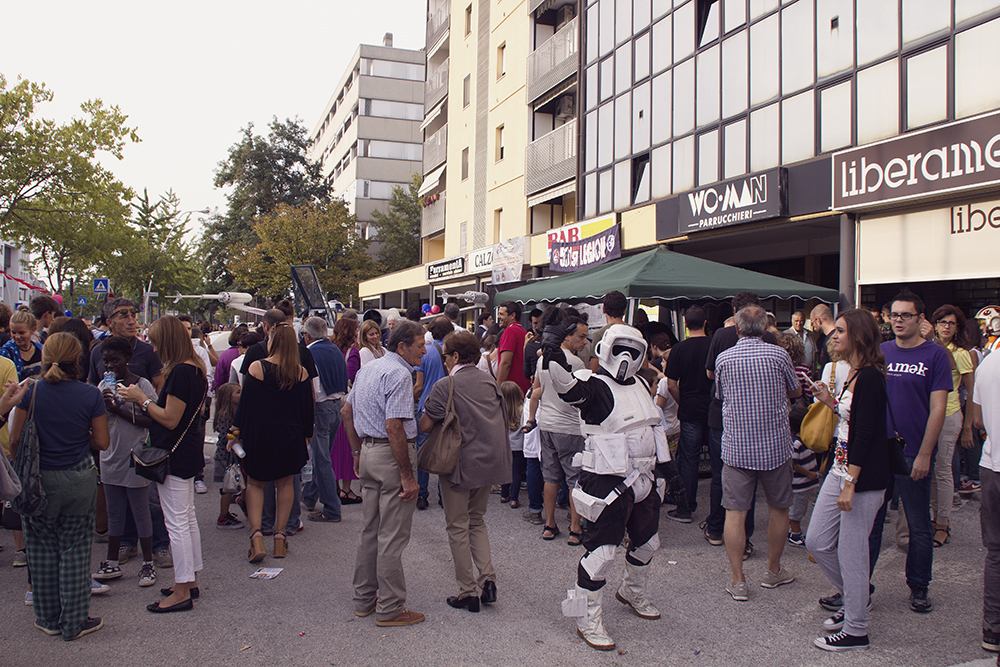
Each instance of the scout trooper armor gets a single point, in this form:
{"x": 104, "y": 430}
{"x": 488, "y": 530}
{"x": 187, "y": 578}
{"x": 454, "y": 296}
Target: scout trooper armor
{"x": 617, "y": 491}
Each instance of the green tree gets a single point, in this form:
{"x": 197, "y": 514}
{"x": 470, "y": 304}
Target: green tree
{"x": 264, "y": 173}
{"x": 397, "y": 231}
{"x": 56, "y": 201}
{"x": 324, "y": 236}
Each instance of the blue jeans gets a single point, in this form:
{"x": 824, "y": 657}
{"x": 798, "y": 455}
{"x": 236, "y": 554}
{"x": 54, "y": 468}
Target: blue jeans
{"x": 161, "y": 540}
{"x": 916, "y": 497}
{"x": 717, "y": 513}
{"x": 267, "y": 516}
{"x": 323, "y": 485}
{"x": 694, "y": 436}
{"x": 535, "y": 484}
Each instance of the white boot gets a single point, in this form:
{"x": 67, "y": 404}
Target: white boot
{"x": 589, "y": 627}
{"x": 633, "y": 592}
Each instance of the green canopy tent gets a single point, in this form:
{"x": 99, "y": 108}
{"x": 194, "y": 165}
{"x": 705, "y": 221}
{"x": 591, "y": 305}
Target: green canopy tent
{"x": 662, "y": 274}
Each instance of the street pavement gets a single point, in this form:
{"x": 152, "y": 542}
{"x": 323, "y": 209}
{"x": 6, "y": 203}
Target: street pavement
{"x": 305, "y": 616}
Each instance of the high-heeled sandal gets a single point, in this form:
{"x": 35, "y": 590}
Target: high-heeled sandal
{"x": 941, "y": 528}
{"x": 257, "y": 550}
{"x": 280, "y": 545}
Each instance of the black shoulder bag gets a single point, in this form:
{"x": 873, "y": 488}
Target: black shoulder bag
{"x": 896, "y": 443}
{"x": 153, "y": 463}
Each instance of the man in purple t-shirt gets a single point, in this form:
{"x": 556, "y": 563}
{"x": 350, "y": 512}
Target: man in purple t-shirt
{"x": 918, "y": 378}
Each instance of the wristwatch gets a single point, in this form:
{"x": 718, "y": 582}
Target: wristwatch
{"x": 851, "y": 480}
{"x": 145, "y": 404}
{"x": 355, "y": 453}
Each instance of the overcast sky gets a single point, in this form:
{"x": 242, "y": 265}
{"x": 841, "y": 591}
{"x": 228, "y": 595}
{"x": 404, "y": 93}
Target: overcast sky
{"x": 191, "y": 74}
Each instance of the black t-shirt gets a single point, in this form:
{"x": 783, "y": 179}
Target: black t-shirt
{"x": 144, "y": 363}
{"x": 33, "y": 366}
{"x": 686, "y": 366}
{"x": 822, "y": 354}
{"x": 258, "y": 351}
{"x": 531, "y": 357}
{"x": 189, "y": 385}
{"x": 724, "y": 339}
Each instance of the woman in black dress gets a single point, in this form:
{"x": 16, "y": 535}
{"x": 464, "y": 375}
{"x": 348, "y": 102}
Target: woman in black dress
{"x": 275, "y": 419}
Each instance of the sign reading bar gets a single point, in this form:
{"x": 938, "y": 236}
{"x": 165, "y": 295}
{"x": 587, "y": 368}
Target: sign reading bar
{"x": 446, "y": 268}
{"x": 747, "y": 199}
{"x": 950, "y": 158}
{"x": 586, "y": 253}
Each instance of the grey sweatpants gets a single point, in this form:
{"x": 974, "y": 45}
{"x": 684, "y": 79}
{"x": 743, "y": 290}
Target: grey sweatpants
{"x": 839, "y": 543}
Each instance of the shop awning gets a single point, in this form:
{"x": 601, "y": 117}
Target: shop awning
{"x": 431, "y": 181}
{"x": 662, "y": 274}
{"x": 552, "y": 193}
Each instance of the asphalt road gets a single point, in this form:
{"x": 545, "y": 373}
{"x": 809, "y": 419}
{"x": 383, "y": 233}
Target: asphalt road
{"x": 305, "y": 616}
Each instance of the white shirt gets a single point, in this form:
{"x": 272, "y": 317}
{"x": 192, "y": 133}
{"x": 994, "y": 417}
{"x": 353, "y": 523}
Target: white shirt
{"x": 234, "y": 370}
{"x": 671, "y": 424}
{"x": 986, "y": 394}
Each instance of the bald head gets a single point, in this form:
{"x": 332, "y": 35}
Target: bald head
{"x": 821, "y": 318}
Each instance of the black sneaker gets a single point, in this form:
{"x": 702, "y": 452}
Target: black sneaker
{"x": 680, "y": 515}
{"x": 90, "y": 625}
{"x": 713, "y": 539}
{"x": 836, "y": 622}
{"x": 832, "y": 603}
{"x": 422, "y": 503}
{"x": 919, "y": 602}
{"x": 841, "y": 642}
{"x": 991, "y": 641}
{"x": 749, "y": 550}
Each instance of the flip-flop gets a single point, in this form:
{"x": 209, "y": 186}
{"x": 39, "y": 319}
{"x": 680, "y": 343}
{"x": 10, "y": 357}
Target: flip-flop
{"x": 550, "y": 532}
{"x": 578, "y": 537}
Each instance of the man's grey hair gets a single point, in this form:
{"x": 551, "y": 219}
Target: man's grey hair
{"x": 114, "y": 304}
{"x": 315, "y": 327}
{"x": 751, "y": 321}
{"x": 404, "y": 333}
{"x": 452, "y": 311}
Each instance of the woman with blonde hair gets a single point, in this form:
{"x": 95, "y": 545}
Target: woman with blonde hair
{"x": 173, "y": 413}
{"x": 21, "y": 349}
{"x": 275, "y": 420}
{"x": 371, "y": 342}
{"x": 70, "y": 419}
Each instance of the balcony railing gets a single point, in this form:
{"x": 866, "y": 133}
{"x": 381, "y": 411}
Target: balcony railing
{"x": 436, "y": 149}
{"x": 436, "y": 86}
{"x": 553, "y": 61}
{"x": 432, "y": 218}
{"x": 437, "y": 25}
{"x": 550, "y": 159}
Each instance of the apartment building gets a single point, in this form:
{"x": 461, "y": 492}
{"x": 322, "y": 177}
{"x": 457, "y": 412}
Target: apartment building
{"x": 368, "y": 137}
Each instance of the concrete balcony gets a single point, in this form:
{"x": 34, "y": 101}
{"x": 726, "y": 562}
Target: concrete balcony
{"x": 437, "y": 26}
{"x": 550, "y": 159}
{"x": 432, "y": 218}
{"x": 436, "y": 86}
{"x": 554, "y": 61}
{"x": 436, "y": 149}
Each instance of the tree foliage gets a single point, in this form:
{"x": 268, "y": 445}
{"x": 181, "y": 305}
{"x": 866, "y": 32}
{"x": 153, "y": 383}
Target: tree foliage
{"x": 263, "y": 173}
{"x": 398, "y": 229}
{"x": 56, "y": 201}
{"x": 324, "y": 236}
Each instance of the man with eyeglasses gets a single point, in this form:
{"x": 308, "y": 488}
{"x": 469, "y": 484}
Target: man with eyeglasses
{"x": 918, "y": 379}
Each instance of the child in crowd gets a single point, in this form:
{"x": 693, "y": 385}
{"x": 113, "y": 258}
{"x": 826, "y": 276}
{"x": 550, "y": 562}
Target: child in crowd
{"x": 532, "y": 452}
{"x": 227, "y": 397}
{"x": 668, "y": 409}
{"x": 797, "y": 352}
{"x": 805, "y": 481}
{"x": 514, "y": 401}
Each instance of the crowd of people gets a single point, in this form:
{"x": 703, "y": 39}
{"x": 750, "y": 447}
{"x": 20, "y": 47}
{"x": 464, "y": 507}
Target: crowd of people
{"x": 607, "y": 423}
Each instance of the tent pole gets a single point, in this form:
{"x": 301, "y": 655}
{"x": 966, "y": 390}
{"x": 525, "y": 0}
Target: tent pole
{"x": 631, "y": 311}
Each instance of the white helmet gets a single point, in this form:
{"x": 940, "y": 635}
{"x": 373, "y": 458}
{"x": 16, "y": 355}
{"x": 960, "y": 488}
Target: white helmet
{"x": 990, "y": 316}
{"x": 621, "y": 351}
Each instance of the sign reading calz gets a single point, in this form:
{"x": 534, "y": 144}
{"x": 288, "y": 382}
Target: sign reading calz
{"x": 742, "y": 200}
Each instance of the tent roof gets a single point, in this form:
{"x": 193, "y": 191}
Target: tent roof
{"x": 664, "y": 274}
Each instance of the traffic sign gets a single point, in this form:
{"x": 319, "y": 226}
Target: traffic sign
{"x": 101, "y": 286}
{"x": 82, "y": 301}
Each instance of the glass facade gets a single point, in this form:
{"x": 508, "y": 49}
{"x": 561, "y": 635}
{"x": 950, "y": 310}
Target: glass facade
{"x": 682, "y": 93}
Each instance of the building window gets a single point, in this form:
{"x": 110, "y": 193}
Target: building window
{"x": 975, "y": 86}
{"x": 499, "y": 143}
{"x": 465, "y": 164}
{"x": 927, "y": 87}
{"x": 466, "y": 90}
{"x": 501, "y": 60}
{"x": 468, "y": 20}
{"x": 640, "y": 178}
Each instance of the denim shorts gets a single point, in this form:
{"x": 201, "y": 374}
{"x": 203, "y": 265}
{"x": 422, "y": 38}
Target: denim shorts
{"x": 740, "y": 484}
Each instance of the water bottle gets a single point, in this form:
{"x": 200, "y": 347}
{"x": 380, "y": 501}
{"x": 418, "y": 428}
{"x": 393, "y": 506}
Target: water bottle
{"x": 237, "y": 447}
{"x": 307, "y": 471}
{"x": 109, "y": 382}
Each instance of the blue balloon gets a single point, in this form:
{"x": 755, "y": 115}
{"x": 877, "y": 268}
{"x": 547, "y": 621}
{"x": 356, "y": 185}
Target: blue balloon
{"x": 425, "y": 308}
{"x": 69, "y": 313}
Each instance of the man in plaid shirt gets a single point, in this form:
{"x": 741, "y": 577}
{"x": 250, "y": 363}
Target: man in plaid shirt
{"x": 754, "y": 380}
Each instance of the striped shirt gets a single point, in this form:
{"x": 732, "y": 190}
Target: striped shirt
{"x": 752, "y": 379}
{"x": 803, "y": 456}
{"x": 383, "y": 389}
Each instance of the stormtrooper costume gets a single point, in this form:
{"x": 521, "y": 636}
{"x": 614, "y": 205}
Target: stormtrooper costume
{"x": 618, "y": 492}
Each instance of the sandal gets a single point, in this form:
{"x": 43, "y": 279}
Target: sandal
{"x": 550, "y": 532}
{"x": 504, "y": 499}
{"x": 349, "y": 498}
{"x": 257, "y": 551}
{"x": 575, "y": 539}
{"x": 514, "y": 504}
{"x": 938, "y": 528}
{"x": 280, "y": 545}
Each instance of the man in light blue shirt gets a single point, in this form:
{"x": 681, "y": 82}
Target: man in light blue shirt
{"x": 431, "y": 370}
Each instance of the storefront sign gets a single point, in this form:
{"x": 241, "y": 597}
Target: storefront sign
{"x": 586, "y": 253}
{"x": 446, "y": 268}
{"x": 747, "y": 199}
{"x": 951, "y": 158}
{"x": 948, "y": 243}
{"x": 577, "y": 231}
{"x": 481, "y": 261}
{"x": 508, "y": 260}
